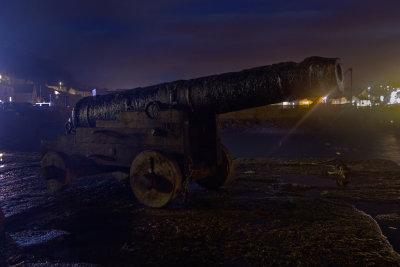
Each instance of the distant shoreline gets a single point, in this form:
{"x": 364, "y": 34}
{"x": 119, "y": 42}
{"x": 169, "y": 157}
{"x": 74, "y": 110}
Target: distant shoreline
{"x": 314, "y": 118}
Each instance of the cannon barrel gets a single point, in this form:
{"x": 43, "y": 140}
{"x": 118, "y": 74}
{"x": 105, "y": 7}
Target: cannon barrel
{"x": 313, "y": 77}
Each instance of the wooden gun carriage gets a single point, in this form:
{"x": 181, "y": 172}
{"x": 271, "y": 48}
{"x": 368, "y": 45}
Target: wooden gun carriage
{"x": 162, "y": 137}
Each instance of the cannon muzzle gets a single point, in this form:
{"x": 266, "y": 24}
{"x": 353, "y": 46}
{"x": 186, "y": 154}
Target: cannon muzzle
{"x": 313, "y": 77}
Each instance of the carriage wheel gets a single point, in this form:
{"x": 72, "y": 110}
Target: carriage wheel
{"x": 155, "y": 178}
{"x": 223, "y": 174}
{"x": 55, "y": 172}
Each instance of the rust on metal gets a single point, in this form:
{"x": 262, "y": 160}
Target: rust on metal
{"x": 314, "y": 76}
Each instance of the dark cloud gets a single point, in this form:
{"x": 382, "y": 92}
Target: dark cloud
{"x": 124, "y": 44}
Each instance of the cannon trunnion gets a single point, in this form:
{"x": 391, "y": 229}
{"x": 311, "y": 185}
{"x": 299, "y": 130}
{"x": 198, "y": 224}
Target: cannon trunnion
{"x": 163, "y": 137}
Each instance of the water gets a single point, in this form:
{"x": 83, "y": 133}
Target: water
{"x": 23, "y": 130}
{"x": 20, "y": 185}
{"x": 355, "y": 144}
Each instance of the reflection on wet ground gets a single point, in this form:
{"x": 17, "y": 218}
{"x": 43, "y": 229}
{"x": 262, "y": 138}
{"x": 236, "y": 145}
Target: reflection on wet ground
{"x": 274, "y": 211}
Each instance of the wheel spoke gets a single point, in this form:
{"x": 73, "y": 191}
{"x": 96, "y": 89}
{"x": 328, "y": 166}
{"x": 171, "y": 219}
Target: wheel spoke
{"x": 54, "y": 171}
{"x": 155, "y": 178}
{"x": 223, "y": 174}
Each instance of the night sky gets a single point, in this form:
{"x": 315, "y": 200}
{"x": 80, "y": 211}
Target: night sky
{"x": 125, "y": 44}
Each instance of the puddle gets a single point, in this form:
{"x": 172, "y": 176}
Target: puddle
{"x": 32, "y": 238}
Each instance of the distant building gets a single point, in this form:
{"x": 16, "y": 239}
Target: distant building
{"x": 69, "y": 90}
{"x": 24, "y": 93}
{"x": 6, "y": 90}
{"x": 61, "y": 95}
{"x": 364, "y": 103}
{"x": 13, "y": 89}
{"x": 395, "y": 97}
{"x": 339, "y": 101}
{"x": 355, "y": 100}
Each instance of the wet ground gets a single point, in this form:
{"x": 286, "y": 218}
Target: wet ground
{"x": 273, "y": 212}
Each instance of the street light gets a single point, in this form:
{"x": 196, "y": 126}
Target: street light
{"x": 351, "y": 84}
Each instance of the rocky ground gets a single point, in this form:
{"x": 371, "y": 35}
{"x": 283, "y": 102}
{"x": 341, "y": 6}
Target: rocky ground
{"x": 273, "y": 212}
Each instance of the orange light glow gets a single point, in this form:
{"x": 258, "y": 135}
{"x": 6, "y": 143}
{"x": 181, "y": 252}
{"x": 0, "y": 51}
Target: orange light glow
{"x": 304, "y": 102}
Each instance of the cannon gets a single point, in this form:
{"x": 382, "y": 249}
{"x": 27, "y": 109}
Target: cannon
{"x": 162, "y": 137}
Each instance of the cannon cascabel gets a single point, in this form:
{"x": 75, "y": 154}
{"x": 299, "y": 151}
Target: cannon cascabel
{"x": 313, "y": 77}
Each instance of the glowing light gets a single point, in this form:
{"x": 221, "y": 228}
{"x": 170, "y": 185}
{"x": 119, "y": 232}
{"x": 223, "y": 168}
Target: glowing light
{"x": 395, "y": 97}
{"x": 1, "y": 76}
{"x": 286, "y": 103}
{"x": 10, "y": 99}
{"x": 57, "y": 92}
{"x": 364, "y": 103}
{"x": 322, "y": 99}
{"x": 369, "y": 87}
{"x": 299, "y": 122}
{"x": 42, "y": 104}
{"x": 305, "y": 102}
{"x": 340, "y": 101}
{"x": 60, "y": 83}
{"x": 1, "y": 156}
